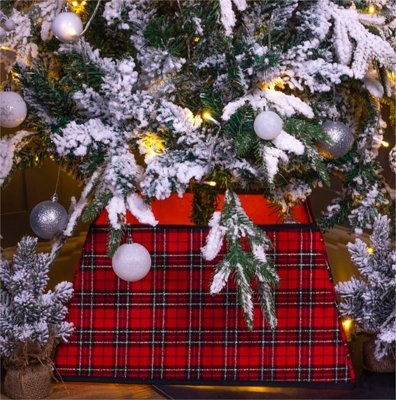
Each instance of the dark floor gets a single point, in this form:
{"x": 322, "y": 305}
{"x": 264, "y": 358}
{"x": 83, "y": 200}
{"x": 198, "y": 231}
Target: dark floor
{"x": 371, "y": 386}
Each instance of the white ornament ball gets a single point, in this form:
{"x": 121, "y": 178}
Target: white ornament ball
{"x": 67, "y": 27}
{"x": 268, "y": 125}
{"x": 131, "y": 262}
{"x": 12, "y": 109}
{"x": 9, "y": 25}
{"x": 3, "y": 33}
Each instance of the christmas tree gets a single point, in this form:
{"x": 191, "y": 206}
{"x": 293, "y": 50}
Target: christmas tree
{"x": 27, "y": 314}
{"x": 146, "y": 98}
{"x": 370, "y": 300}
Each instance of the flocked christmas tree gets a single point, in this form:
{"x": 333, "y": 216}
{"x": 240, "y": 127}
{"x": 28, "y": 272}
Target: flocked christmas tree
{"x": 27, "y": 314}
{"x": 151, "y": 98}
{"x": 369, "y": 300}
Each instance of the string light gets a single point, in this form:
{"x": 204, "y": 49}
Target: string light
{"x": 77, "y": 7}
{"x": 385, "y": 143}
{"x": 196, "y": 39}
{"x": 210, "y": 183}
{"x": 370, "y": 250}
{"x": 371, "y": 9}
{"x": 276, "y": 82}
{"x": 347, "y": 323}
{"x": 208, "y": 117}
{"x": 153, "y": 144}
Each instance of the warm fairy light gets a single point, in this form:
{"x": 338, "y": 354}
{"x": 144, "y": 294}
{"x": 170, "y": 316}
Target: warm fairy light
{"x": 392, "y": 76}
{"x": 208, "y": 116}
{"x": 153, "y": 144}
{"x": 276, "y": 82}
{"x": 196, "y": 39}
{"x": 371, "y": 9}
{"x": 370, "y": 250}
{"x": 347, "y": 324}
{"x": 77, "y": 7}
{"x": 36, "y": 159}
{"x": 385, "y": 143}
{"x": 211, "y": 183}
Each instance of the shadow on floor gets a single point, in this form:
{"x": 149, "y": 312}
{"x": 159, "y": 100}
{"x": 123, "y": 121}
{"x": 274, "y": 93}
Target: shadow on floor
{"x": 371, "y": 386}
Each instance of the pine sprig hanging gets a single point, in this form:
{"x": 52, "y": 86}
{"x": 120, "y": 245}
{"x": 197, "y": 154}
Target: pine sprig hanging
{"x": 245, "y": 266}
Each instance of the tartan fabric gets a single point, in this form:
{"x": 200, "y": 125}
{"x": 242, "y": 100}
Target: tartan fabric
{"x": 167, "y": 327}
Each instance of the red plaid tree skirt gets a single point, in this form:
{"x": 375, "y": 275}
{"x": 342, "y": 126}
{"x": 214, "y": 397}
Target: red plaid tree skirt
{"x": 168, "y": 327}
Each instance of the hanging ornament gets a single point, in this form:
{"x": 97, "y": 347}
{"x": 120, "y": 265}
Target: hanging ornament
{"x": 9, "y": 25}
{"x": 341, "y": 137}
{"x": 392, "y": 158}
{"x": 48, "y": 218}
{"x": 3, "y": 33}
{"x": 131, "y": 261}
{"x": 12, "y": 108}
{"x": 268, "y": 125}
{"x": 67, "y": 26}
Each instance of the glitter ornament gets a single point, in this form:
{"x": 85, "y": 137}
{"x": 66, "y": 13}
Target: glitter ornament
{"x": 67, "y": 27}
{"x": 48, "y": 218}
{"x": 392, "y": 159}
{"x": 341, "y": 137}
{"x": 268, "y": 125}
{"x": 13, "y": 109}
{"x": 131, "y": 261}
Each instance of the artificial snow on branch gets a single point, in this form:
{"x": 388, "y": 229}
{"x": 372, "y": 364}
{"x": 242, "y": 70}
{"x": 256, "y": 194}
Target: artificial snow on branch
{"x": 369, "y": 300}
{"x": 26, "y": 312}
{"x": 245, "y": 266}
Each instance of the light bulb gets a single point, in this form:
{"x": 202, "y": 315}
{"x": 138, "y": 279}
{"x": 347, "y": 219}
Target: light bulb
{"x": 385, "y": 143}
{"x": 347, "y": 323}
{"x": 371, "y": 9}
{"x": 208, "y": 116}
{"x": 370, "y": 250}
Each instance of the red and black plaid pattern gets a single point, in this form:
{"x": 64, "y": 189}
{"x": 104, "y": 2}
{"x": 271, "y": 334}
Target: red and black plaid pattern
{"x": 167, "y": 327}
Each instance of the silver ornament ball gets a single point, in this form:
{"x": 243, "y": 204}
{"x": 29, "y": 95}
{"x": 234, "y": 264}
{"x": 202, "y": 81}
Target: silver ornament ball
{"x": 341, "y": 137}
{"x": 3, "y": 33}
{"x": 268, "y": 125}
{"x": 13, "y": 109}
{"x": 67, "y": 27}
{"x": 131, "y": 262}
{"x": 48, "y": 219}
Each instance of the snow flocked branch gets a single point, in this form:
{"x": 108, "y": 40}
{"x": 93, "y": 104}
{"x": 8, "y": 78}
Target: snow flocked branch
{"x": 370, "y": 299}
{"x": 233, "y": 224}
{"x": 26, "y": 312}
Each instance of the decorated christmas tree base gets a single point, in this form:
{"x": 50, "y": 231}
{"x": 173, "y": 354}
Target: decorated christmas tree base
{"x": 167, "y": 327}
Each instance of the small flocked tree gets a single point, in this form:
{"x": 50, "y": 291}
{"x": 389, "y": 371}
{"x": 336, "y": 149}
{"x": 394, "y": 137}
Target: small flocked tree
{"x": 370, "y": 300}
{"x": 27, "y": 314}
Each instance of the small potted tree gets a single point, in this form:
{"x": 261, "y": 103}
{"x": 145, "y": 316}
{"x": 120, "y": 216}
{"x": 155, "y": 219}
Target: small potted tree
{"x": 370, "y": 299}
{"x": 31, "y": 321}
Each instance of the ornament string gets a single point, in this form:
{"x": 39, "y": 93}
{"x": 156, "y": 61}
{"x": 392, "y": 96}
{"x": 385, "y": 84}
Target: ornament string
{"x": 91, "y": 18}
{"x": 57, "y": 181}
